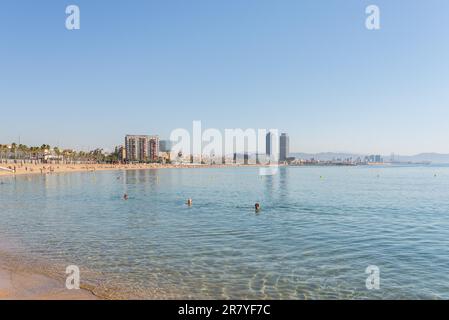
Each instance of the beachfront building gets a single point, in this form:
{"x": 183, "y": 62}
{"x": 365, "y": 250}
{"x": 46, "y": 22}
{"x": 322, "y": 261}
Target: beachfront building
{"x": 141, "y": 148}
{"x": 121, "y": 150}
{"x": 284, "y": 147}
{"x": 165, "y": 146}
{"x": 165, "y": 149}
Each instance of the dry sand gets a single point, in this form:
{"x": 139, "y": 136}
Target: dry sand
{"x": 62, "y": 168}
{"x": 22, "y": 285}
{"x": 21, "y": 169}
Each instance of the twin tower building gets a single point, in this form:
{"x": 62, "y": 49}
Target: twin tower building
{"x": 284, "y": 145}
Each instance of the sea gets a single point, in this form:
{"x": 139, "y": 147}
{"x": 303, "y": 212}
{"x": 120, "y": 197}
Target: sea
{"x": 322, "y": 232}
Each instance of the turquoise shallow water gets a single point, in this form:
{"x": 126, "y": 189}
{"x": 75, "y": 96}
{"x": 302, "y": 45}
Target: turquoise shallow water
{"x": 318, "y": 230}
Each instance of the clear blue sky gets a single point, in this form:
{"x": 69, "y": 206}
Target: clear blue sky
{"x": 309, "y": 68}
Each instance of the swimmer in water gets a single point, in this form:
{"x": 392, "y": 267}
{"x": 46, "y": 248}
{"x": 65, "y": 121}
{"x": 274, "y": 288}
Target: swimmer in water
{"x": 125, "y": 196}
{"x": 189, "y": 202}
{"x": 257, "y": 207}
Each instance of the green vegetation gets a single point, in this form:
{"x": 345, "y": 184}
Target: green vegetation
{"x": 43, "y": 153}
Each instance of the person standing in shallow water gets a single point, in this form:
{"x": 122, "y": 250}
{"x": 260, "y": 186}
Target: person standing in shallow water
{"x": 125, "y": 196}
{"x": 189, "y": 202}
{"x": 257, "y": 207}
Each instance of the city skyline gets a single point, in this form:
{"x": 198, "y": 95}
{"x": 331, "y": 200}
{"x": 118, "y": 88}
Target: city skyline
{"x": 283, "y": 145}
{"x": 333, "y": 85}
{"x": 165, "y": 145}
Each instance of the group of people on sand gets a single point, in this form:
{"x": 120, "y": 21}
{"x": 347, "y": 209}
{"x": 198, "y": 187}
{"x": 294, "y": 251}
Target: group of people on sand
{"x": 50, "y": 169}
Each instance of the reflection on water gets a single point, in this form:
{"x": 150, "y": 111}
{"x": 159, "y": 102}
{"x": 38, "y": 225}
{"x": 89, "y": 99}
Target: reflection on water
{"x": 318, "y": 230}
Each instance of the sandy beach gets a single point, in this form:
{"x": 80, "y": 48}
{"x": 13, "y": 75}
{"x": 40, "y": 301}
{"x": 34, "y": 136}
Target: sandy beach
{"x": 21, "y": 169}
{"x": 23, "y": 285}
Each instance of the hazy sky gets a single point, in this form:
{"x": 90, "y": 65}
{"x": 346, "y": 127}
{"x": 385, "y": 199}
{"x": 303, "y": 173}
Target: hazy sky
{"x": 309, "y": 68}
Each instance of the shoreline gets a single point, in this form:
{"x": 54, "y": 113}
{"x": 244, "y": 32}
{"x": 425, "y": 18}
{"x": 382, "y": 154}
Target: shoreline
{"x": 25, "y": 285}
{"x": 42, "y": 169}
{"x": 25, "y": 278}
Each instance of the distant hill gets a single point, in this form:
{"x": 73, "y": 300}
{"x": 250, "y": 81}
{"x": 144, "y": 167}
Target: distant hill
{"x": 433, "y": 157}
{"x": 326, "y": 156}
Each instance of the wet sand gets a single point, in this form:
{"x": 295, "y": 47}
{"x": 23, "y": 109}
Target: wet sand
{"x": 23, "y": 285}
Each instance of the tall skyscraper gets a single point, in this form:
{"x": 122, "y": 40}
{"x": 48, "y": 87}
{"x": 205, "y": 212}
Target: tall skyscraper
{"x": 268, "y": 143}
{"x": 284, "y": 147}
{"x": 141, "y": 148}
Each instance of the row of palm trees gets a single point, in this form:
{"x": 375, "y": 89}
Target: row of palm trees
{"x": 33, "y": 153}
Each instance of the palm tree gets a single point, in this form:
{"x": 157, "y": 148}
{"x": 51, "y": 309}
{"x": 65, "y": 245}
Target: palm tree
{"x": 14, "y": 149}
{"x": 57, "y": 152}
{"x": 34, "y": 153}
{"x": 23, "y": 151}
{"x": 97, "y": 155}
{"x": 69, "y": 155}
{"x": 3, "y": 150}
{"x": 45, "y": 147}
